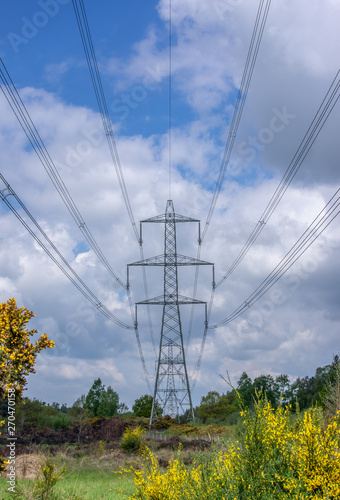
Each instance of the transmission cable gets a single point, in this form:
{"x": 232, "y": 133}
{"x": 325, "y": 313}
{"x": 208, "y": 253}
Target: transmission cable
{"x": 170, "y": 98}
{"x": 71, "y": 274}
{"x": 260, "y": 22}
{"x": 256, "y": 38}
{"x": 321, "y": 116}
{"x": 19, "y": 109}
{"x": 86, "y": 38}
{"x": 307, "y": 142}
{"x": 316, "y": 228}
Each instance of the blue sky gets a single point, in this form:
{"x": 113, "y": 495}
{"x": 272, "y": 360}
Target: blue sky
{"x": 298, "y": 59}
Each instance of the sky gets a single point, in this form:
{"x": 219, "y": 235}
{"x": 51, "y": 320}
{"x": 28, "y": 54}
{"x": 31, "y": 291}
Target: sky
{"x": 294, "y": 328}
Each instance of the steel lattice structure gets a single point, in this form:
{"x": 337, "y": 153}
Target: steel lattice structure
{"x": 172, "y": 389}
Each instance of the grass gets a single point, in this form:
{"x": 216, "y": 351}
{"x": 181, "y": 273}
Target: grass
{"x": 90, "y": 471}
{"x": 86, "y": 478}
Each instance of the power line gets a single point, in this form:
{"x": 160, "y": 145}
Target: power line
{"x": 71, "y": 274}
{"x": 19, "y": 109}
{"x": 327, "y": 105}
{"x": 316, "y": 228}
{"x": 90, "y": 54}
{"x": 86, "y": 38}
{"x": 260, "y": 22}
{"x": 307, "y": 142}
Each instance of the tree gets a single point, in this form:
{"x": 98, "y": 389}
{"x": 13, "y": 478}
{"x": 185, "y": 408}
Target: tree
{"x": 122, "y": 408}
{"x": 268, "y": 385}
{"x": 303, "y": 392}
{"x": 142, "y": 407}
{"x": 101, "y": 402}
{"x": 246, "y": 389}
{"x": 108, "y": 403}
{"x": 215, "y": 407}
{"x": 17, "y": 354}
{"x": 92, "y": 399}
{"x": 331, "y": 396}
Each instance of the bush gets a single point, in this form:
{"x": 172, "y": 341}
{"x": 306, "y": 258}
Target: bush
{"x": 279, "y": 456}
{"x": 132, "y": 440}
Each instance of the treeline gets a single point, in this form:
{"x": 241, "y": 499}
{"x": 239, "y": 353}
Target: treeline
{"x": 303, "y": 393}
{"x": 214, "y": 408}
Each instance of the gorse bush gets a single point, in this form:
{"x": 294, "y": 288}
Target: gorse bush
{"x": 279, "y": 456}
{"x": 43, "y": 488}
{"x": 132, "y": 440}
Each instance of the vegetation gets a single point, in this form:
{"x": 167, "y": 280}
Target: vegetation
{"x": 142, "y": 407}
{"x": 277, "y": 456}
{"x": 133, "y": 439}
{"x": 17, "y": 353}
{"x": 285, "y": 444}
{"x": 101, "y": 402}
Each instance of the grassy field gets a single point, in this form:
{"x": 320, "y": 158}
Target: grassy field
{"x": 93, "y": 473}
{"x": 277, "y": 455}
{"x": 86, "y": 478}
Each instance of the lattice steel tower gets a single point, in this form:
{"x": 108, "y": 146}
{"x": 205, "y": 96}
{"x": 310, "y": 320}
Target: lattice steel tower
{"x": 172, "y": 389}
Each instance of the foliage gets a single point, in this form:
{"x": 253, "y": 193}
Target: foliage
{"x": 196, "y": 431}
{"x": 17, "y": 353}
{"x": 165, "y": 422}
{"x": 274, "y": 389}
{"x": 92, "y": 399}
{"x": 307, "y": 391}
{"x": 278, "y": 456}
{"x": 50, "y": 476}
{"x": 132, "y": 440}
{"x": 142, "y": 407}
{"x": 108, "y": 403}
{"x": 32, "y": 413}
{"x": 215, "y": 407}
{"x": 101, "y": 402}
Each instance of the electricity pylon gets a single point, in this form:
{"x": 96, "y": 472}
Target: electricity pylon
{"x": 172, "y": 389}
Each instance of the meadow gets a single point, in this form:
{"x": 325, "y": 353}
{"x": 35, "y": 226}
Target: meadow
{"x": 273, "y": 453}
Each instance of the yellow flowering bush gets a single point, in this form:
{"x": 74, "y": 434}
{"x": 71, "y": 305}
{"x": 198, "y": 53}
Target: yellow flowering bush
{"x": 17, "y": 353}
{"x": 279, "y": 456}
{"x": 132, "y": 440}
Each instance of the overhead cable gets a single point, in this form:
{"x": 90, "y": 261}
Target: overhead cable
{"x": 19, "y": 109}
{"x": 86, "y": 38}
{"x": 326, "y": 107}
{"x": 90, "y": 54}
{"x": 307, "y": 142}
{"x": 260, "y": 22}
{"x": 316, "y": 228}
{"x": 70, "y": 273}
